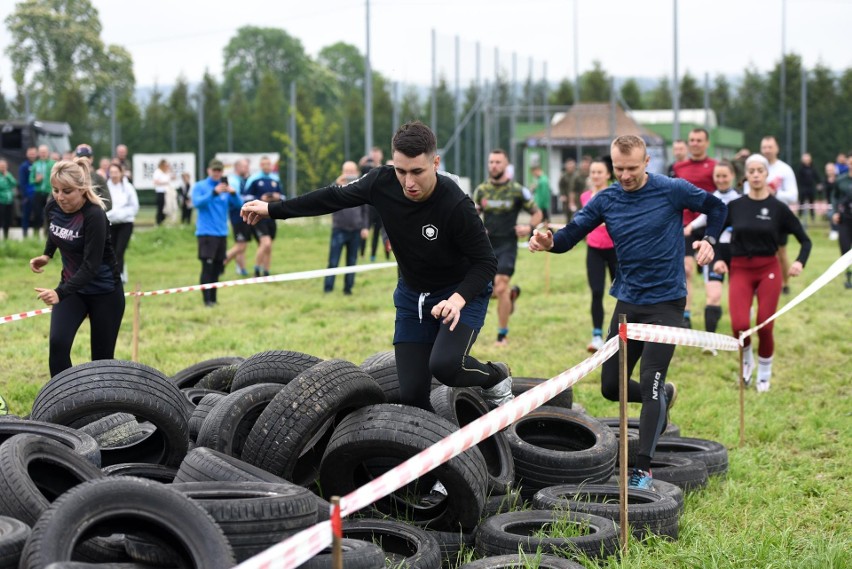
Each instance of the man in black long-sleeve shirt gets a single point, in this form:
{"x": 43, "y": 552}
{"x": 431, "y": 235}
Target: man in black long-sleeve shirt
{"x": 445, "y": 260}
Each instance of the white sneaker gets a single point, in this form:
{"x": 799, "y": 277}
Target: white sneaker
{"x": 762, "y": 385}
{"x": 711, "y": 351}
{"x": 596, "y": 344}
{"x": 502, "y": 392}
{"x": 833, "y": 235}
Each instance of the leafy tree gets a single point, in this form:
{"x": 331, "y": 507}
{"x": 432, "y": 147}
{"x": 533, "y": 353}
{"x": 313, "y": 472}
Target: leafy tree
{"x": 255, "y": 51}
{"x": 721, "y": 99}
{"x": 238, "y": 111}
{"x": 318, "y": 156}
{"x": 595, "y": 85}
{"x": 631, "y": 94}
{"x": 691, "y": 95}
{"x": 563, "y": 95}
{"x": 749, "y": 111}
{"x": 156, "y": 124}
{"x": 5, "y": 111}
{"x": 660, "y": 97}
{"x": 825, "y": 139}
{"x": 445, "y": 103}
{"x": 410, "y": 107}
{"x": 71, "y": 106}
{"x": 215, "y": 133}
{"x": 776, "y": 124}
{"x": 130, "y": 125}
{"x": 183, "y": 117}
{"x": 270, "y": 114}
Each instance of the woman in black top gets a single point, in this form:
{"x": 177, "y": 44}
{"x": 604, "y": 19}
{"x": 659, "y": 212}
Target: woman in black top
{"x": 757, "y": 219}
{"x": 90, "y": 284}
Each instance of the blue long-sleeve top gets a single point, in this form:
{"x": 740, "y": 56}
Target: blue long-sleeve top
{"x": 212, "y": 207}
{"x": 646, "y": 226}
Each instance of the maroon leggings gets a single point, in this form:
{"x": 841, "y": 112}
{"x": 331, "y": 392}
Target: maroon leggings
{"x": 761, "y": 277}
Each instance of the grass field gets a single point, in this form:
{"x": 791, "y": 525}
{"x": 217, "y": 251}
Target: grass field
{"x": 785, "y": 502}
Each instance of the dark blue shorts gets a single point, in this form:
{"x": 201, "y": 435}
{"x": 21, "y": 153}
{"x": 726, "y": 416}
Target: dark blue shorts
{"x": 410, "y": 327}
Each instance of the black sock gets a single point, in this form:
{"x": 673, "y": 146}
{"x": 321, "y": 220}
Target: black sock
{"x": 643, "y": 462}
{"x": 712, "y": 315}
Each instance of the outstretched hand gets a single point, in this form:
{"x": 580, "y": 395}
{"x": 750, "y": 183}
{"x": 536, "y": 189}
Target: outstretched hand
{"x": 542, "y": 240}
{"x": 254, "y": 211}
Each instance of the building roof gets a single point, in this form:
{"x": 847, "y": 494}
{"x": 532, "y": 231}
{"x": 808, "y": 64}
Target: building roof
{"x": 592, "y": 124}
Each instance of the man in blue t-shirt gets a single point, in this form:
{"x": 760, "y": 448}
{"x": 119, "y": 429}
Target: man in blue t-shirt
{"x": 264, "y": 186}
{"x": 644, "y": 216}
{"x": 26, "y": 189}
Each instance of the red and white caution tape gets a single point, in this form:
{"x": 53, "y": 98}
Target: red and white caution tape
{"x": 222, "y": 284}
{"x": 681, "y": 337}
{"x": 306, "y": 544}
{"x": 839, "y": 266}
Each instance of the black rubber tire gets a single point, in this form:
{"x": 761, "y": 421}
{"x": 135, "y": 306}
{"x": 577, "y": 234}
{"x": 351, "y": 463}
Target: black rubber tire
{"x": 35, "y": 471}
{"x": 647, "y": 510}
{"x": 520, "y": 561}
{"x": 553, "y": 445}
{"x": 272, "y": 366}
{"x": 686, "y": 473}
{"x": 196, "y": 419}
{"x": 461, "y": 406}
{"x": 404, "y": 545}
{"x": 290, "y": 444}
{"x": 114, "y": 386}
{"x": 230, "y": 421}
{"x": 451, "y": 544}
{"x": 713, "y": 454}
{"x": 131, "y": 506}
{"x": 511, "y": 501}
{"x": 190, "y": 376}
{"x": 254, "y": 515}
{"x": 521, "y": 385}
{"x": 112, "y": 430}
{"x": 219, "y": 379}
{"x": 370, "y": 441}
{"x": 660, "y": 486}
{"x": 381, "y": 366}
{"x": 13, "y": 535}
{"x": 512, "y": 532}
{"x": 672, "y": 430}
{"x": 632, "y": 445}
{"x": 195, "y": 394}
{"x": 81, "y": 443}
{"x": 357, "y": 554}
{"x": 156, "y": 472}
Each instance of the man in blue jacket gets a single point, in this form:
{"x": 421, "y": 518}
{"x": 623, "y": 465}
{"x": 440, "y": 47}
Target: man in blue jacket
{"x": 644, "y": 216}
{"x": 212, "y": 197}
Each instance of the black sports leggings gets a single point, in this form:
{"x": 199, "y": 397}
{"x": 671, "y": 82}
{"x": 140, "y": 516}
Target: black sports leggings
{"x": 597, "y": 262}
{"x": 105, "y": 312}
{"x": 120, "y": 236}
{"x": 448, "y": 359}
{"x": 649, "y": 390}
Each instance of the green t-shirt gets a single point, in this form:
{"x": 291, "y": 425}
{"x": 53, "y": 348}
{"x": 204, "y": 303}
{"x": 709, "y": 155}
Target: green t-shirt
{"x": 542, "y": 192}
{"x": 7, "y": 188}
{"x": 42, "y": 167}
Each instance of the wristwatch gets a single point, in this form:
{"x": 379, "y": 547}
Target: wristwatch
{"x": 710, "y": 239}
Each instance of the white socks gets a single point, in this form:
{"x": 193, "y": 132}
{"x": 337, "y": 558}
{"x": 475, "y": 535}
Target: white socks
{"x": 764, "y": 373}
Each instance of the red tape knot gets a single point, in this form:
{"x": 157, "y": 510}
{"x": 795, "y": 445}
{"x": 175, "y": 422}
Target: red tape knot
{"x": 622, "y": 332}
{"x": 336, "y": 521}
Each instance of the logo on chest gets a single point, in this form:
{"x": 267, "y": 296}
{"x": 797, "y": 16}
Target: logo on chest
{"x": 430, "y": 232}
{"x": 764, "y": 214}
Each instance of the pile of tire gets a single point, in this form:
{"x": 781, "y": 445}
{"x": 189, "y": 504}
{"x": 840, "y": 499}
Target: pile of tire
{"x": 118, "y": 463}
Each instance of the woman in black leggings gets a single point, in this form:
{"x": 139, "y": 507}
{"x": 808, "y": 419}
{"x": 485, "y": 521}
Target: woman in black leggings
{"x": 600, "y": 253}
{"x": 90, "y": 284}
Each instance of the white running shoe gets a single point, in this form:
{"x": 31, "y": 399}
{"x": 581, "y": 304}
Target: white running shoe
{"x": 762, "y": 385}
{"x": 596, "y": 344}
{"x": 833, "y": 235}
{"x": 502, "y": 392}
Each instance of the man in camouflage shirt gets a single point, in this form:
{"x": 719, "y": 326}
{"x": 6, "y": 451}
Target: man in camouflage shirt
{"x": 500, "y": 199}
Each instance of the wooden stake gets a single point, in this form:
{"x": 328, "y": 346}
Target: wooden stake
{"x": 137, "y": 301}
{"x": 622, "y": 428}
{"x": 336, "y": 537}
{"x": 742, "y": 400}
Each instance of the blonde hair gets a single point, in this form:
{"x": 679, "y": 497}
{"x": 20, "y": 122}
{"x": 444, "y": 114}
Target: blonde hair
{"x": 760, "y": 159}
{"x": 76, "y": 174}
{"x": 627, "y": 142}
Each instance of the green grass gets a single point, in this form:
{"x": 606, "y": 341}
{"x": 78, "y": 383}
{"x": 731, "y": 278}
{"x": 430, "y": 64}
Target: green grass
{"x": 785, "y": 502}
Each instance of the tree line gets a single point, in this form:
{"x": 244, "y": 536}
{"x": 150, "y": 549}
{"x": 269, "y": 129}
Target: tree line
{"x": 64, "y": 71}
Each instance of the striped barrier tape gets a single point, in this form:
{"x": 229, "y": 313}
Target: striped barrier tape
{"x": 223, "y": 284}
{"x": 304, "y": 545}
{"x": 681, "y": 337}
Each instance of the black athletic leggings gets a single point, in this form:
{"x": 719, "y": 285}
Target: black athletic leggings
{"x": 120, "y": 236}
{"x": 597, "y": 262}
{"x": 161, "y": 207}
{"x": 448, "y": 359}
{"x": 649, "y": 390}
{"x": 105, "y": 312}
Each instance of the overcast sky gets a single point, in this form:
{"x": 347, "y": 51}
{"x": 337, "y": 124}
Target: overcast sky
{"x": 630, "y": 38}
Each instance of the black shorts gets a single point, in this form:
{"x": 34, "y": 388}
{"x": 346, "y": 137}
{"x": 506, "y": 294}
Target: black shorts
{"x": 265, "y": 227}
{"x": 506, "y": 252}
{"x": 243, "y": 232}
{"x": 211, "y": 247}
